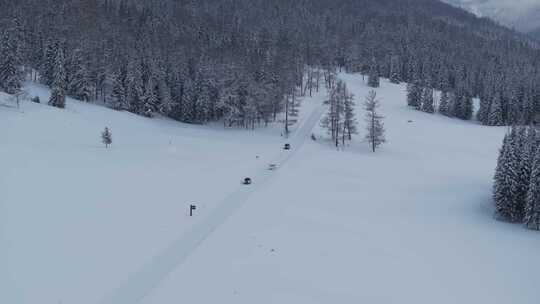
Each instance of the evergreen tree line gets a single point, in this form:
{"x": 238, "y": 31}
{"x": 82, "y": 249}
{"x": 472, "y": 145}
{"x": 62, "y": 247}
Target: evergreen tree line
{"x": 458, "y": 103}
{"x": 241, "y": 61}
{"x": 516, "y": 190}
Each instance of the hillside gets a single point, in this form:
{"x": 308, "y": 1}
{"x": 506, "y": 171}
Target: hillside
{"x": 410, "y": 224}
{"x": 211, "y": 61}
{"x": 521, "y": 15}
{"x": 535, "y": 34}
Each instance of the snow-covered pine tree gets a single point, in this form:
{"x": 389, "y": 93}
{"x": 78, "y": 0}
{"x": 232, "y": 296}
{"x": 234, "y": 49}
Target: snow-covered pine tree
{"x": 375, "y": 126}
{"x": 428, "y": 104}
{"x": 502, "y": 180}
{"x": 414, "y": 95}
{"x": 106, "y": 137}
{"x": 189, "y": 100}
{"x": 528, "y": 108}
{"x": 514, "y": 113}
{"x": 205, "y": 102}
{"x": 519, "y": 186}
{"x": 495, "y": 114}
{"x": 81, "y": 87}
{"x": 166, "y": 103}
{"x": 79, "y": 84}
{"x": 48, "y": 62}
{"x": 149, "y": 99}
{"x": 506, "y": 186}
{"x": 394, "y": 70}
{"x": 59, "y": 85}
{"x": 467, "y": 107}
{"x": 532, "y": 205}
{"x": 135, "y": 87}
{"x": 462, "y": 105}
{"x": 373, "y": 77}
{"x": 11, "y": 76}
{"x": 483, "y": 112}
{"x": 454, "y": 103}
{"x": 444, "y": 104}
{"x": 119, "y": 94}
{"x": 528, "y": 138}
{"x": 535, "y": 96}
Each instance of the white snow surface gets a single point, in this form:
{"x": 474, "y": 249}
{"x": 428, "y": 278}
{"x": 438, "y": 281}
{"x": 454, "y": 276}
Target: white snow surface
{"x": 412, "y": 223}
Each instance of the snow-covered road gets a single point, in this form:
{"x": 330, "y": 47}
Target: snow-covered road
{"x": 151, "y": 274}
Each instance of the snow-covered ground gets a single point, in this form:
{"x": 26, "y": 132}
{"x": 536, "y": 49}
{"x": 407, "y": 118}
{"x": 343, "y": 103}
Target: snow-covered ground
{"x": 410, "y": 224}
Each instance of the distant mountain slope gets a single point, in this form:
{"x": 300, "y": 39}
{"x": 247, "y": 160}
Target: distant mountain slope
{"x": 523, "y": 15}
{"x": 535, "y": 34}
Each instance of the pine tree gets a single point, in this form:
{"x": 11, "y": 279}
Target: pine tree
{"x": 149, "y": 99}
{"x": 514, "y": 112}
{"x": 135, "y": 87}
{"x": 79, "y": 84}
{"x": 11, "y": 76}
{"x": 532, "y": 207}
{"x": 375, "y": 126}
{"x": 527, "y": 153}
{"x": 119, "y": 95}
{"x": 48, "y": 63}
{"x": 517, "y": 184}
{"x": 483, "y": 112}
{"x": 495, "y": 115}
{"x": 462, "y": 104}
{"x": 394, "y": 70}
{"x": 528, "y": 108}
{"x": 373, "y": 77}
{"x": 501, "y": 185}
{"x": 428, "y": 105}
{"x": 58, "y": 94}
{"x": 444, "y": 105}
{"x": 204, "y": 102}
{"x": 414, "y": 95}
{"x": 106, "y": 137}
{"x": 453, "y": 104}
{"x": 166, "y": 103}
{"x": 466, "y": 107}
{"x": 507, "y": 182}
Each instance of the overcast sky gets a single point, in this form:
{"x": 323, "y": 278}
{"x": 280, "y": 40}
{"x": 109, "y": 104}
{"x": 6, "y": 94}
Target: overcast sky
{"x": 522, "y": 14}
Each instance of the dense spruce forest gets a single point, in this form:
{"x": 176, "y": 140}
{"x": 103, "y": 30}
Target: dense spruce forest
{"x": 244, "y": 61}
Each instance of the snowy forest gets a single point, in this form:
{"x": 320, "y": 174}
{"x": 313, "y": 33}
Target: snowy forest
{"x": 244, "y": 61}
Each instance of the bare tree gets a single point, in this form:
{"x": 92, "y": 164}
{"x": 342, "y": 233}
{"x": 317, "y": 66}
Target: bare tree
{"x": 340, "y": 119}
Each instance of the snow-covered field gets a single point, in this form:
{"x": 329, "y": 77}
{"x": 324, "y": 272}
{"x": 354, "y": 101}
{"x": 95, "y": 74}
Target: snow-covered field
{"x": 410, "y": 224}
